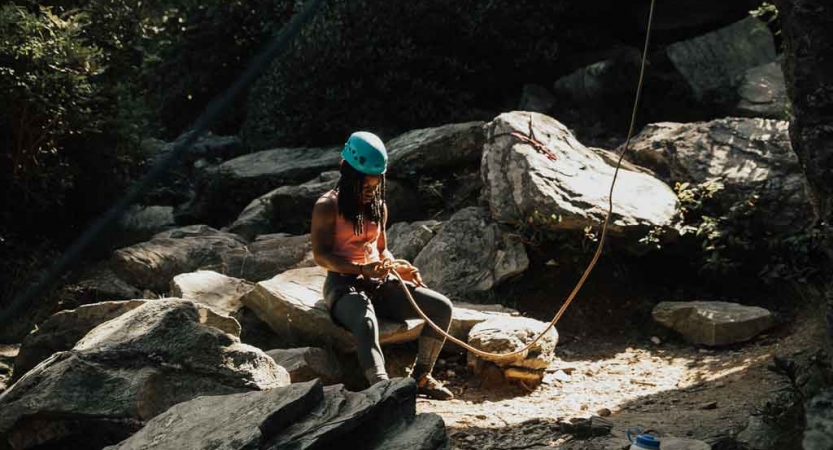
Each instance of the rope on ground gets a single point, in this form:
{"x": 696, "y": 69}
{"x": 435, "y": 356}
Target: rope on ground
{"x": 392, "y": 265}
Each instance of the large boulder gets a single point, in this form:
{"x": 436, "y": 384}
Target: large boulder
{"x": 406, "y": 240}
{"x": 713, "y": 323}
{"x": 471, "y": 254}
{"x": 521, "y": 182}
{"x": 613, "y": 77}
{"x": 808, "y": 42}
{"x": 61, "y": 331}
{"x": 431, "y": 149}
{"x": 224, "y": 190}
{"x": 268, "y": 256}
{"x": 712, "y": 64}
{"x": 509, "y": 334}
{"x": 287, "y": 208}
{"x": 292, "y": 304}
{"x": 751, "y": 157}
{"x": 300, "y": 416}
{"x": 153, "y": 264}
{"x": 763, "y": 93}
{"x": 141, "y": 222}
{"x": 215, "y": 290}
{"x": 127, "y": 371}
{"x": 819, "y": 432}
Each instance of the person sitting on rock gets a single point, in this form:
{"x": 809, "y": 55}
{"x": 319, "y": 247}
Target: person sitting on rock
{"x": 348, "y": 239}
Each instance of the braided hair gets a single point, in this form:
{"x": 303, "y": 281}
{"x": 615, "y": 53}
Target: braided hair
{"x": 350, "y": 205}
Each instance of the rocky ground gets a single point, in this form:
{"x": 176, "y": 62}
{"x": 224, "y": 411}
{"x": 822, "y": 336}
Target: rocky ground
{"x": 668, "y": 386}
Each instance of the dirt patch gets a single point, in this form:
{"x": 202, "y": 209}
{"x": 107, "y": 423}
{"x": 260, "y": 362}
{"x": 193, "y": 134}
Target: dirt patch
{"x": 671, "y": 387}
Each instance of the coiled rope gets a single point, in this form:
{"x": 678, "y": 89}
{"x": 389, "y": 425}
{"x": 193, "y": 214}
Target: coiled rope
{"x": 391, "y": 266}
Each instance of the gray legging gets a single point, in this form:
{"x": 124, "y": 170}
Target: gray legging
{"x": 355, "y": 303}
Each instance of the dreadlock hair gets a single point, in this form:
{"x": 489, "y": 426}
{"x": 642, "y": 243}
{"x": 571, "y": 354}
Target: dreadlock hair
{"x": 350, "y": 205}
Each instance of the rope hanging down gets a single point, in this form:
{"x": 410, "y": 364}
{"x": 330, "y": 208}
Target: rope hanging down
{"x": 391, "y": 265}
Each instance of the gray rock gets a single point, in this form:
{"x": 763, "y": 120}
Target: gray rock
{"x": 280, "y": 166}
{"x": 713, "y": 63}
{"x": 808, "y": 40}
{"x": 611, "y": 77}
{"x": 429, "y": 149}
{"x": 219, "y": 292}
{"x": 471, "y": 254}
{"x": 100, "y": 284}
{"x": 268, "y": 256}
{"x": 536, "y": 98}
{"x": 308, "y": 363}
{"x": 519, "y": 182}
{"x": 291, "y": 206}
{"x": 227, "y": 422}
{"x": 466, "y": 315}
{"x": 350, "y": 417}
{"x": 748, "y": 156}
{"x": 223, "y": 191}
{"x": 293, "y": 306}
{"x": 153, "y": 264}
{"x": 141, "y": 222}
{"x": 509, "y": 334}
{"x": 758, "y": 435}
{"x": 125, "y": 372}
{"x": 763, "y": 93}
{"x": 61, "y": 331}
{"x": 713, "y": 323}
{"x": 287, "y": 207}
{"x": 406, "y": 240}
{"x": 819, "y": 432}
{"x": 425, "y": 432}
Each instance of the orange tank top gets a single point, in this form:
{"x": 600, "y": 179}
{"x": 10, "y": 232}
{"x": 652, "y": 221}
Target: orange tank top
{"x": 361, "y": 249}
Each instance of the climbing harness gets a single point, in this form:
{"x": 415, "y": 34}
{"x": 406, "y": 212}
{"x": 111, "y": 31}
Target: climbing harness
{"x": 391, "y": 266}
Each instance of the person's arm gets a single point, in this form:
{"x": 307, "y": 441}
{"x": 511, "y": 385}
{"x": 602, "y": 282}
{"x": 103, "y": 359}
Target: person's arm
{"x": 382, "y": 242}
{"x": 323, "y": 235}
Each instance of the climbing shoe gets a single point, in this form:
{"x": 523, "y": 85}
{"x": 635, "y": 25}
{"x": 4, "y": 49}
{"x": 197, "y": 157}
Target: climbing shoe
{"x": 431, "y": 388}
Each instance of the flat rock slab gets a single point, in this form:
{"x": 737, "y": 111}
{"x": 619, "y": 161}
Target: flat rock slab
{"x": 126, "y": 371}
{"x": 215, "y": 290}
{"x": 292, "y": 304}
{"x": 521, "y": 183}
{"x": 430, "y": 149}
{"x": 713, "y": 323}
{"x": 712, "y": 63}
{"x": 267, "y": 256}
{"x": 153, "y": 264}
{"x": 228, "y": 422}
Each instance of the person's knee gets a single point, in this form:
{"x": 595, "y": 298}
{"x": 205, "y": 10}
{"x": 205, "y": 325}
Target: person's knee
{"x": 439, "y": 305}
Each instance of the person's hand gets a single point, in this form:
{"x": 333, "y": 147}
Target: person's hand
{"x": 374, "y": 270}
{"x": 410, "y": 273}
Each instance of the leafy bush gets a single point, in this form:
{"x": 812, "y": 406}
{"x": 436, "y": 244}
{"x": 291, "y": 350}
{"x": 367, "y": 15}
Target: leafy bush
{"x": 391, "y": 66}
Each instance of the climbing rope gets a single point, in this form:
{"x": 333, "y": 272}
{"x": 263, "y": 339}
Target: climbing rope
{"x": 391, "y": 266}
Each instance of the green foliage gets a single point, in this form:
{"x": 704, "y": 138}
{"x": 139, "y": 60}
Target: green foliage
{"x": 45, "y": 72}
{"x": 391, "y": 67}
{"x": 732, "y": 240}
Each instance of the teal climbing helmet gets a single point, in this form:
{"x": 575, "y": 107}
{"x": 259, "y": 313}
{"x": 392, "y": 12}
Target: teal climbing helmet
{"x": 366, "y": 153}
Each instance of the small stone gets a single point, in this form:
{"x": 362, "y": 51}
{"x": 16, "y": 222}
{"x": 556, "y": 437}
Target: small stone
{"x": 656, "y": 340}
{"x": 470, "y": 438}
{"x": 720, "y": 384}
{"x": 604, "y": 412}
{"x": 709, "y": 405}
